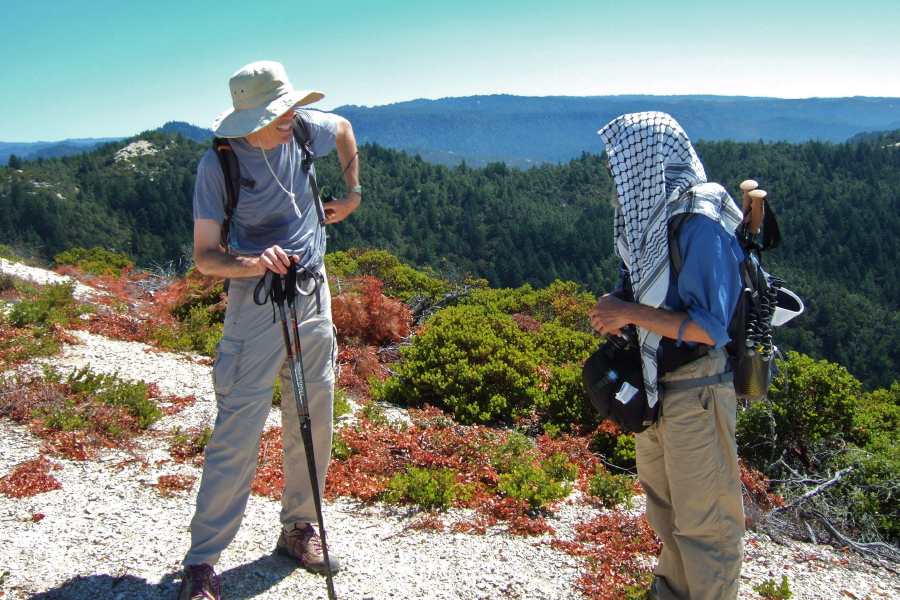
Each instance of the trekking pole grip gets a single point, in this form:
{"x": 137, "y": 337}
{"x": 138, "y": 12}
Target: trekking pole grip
{"x": 747, "y": 186}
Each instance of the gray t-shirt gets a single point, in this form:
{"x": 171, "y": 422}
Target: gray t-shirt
{"x": 265, "y": 215}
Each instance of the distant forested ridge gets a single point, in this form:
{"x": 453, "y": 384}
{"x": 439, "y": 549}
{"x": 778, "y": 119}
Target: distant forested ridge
{"x": 838, "y": 204}
{"x": 523, "y": 131}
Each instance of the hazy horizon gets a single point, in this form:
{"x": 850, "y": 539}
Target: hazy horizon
{"x": 105, "y": 69}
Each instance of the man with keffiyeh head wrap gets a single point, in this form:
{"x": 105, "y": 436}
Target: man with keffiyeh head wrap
{"x": 687, "y": 460}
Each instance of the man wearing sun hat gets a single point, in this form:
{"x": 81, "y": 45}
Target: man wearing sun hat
{"x": 277, "y": 220}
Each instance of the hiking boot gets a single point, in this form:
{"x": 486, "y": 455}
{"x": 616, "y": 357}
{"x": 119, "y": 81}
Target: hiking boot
{"x": 304, "y": 545}
{"x": 199, "y": 583}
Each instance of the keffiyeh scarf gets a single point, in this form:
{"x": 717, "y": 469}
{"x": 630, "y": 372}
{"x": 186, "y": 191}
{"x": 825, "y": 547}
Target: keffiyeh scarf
{"x": 657, "y": 175}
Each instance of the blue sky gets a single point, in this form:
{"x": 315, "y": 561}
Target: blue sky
{"x": 111, "y": 68}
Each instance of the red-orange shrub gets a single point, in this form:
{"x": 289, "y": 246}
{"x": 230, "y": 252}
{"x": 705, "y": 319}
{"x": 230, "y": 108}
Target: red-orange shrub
{"x": 620, "y": 554}
{"x": 30, "y": 478}
{"x": 170, "y": 486}
{"x": 269, "y": 478}
{"x": 369, "y": 316}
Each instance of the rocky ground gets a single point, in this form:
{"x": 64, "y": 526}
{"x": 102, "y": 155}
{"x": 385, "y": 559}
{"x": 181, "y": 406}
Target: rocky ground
{"x": 110, "y": 533}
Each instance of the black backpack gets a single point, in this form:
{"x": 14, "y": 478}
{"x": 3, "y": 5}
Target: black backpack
{"x": 234, "y": 182}
{"x": 751, "y": 327}
{"x": 613, "y": 379}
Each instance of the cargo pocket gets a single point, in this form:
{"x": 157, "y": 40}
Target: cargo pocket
{"x": 228, "y": 357}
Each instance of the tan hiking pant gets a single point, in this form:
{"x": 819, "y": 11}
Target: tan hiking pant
{"x": 249, "y": 357}
{"x": 687, "y": 465}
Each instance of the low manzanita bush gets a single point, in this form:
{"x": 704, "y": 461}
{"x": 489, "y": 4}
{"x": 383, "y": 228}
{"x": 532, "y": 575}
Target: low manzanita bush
{"x": 435, "y": 463}
{"x": 79, "y": 412}
{"x": 619, "y": 553}
{"x": 30, "y": 478}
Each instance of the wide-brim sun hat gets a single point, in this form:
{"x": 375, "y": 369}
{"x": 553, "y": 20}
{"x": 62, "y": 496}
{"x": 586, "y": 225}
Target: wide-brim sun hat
{"x": 787, "y": 306}
{"x": 260, "y": 93}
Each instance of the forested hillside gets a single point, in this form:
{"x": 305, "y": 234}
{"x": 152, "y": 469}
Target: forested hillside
{"x": 839, "y": 207}
{"x": 523, "y": 131}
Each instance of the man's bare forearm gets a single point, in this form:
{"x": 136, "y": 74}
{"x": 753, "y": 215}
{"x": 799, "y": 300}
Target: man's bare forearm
{"x": 229, "y": 266}
{"x": 612, "y": 314}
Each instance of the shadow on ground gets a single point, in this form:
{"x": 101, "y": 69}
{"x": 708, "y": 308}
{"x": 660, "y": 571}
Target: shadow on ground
{"x": 240, "y": 583}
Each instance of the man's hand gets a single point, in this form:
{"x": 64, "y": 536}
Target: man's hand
{"x": 274, "y": 259}
{"x": 610, "y": 315}
{"x": 340, "y": 208}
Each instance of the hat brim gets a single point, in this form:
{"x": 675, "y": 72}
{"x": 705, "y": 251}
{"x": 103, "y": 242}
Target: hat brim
{"x": 787, "y": 306}
{"x": 238, "y": 123}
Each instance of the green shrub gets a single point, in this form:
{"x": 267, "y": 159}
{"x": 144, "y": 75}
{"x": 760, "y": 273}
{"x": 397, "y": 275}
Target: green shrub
{"x": 23, "y": 344}
{"x": 564, "y": 401}
{"x": 773, "y": 591}
{"x": 197, "y": 290}
{"x": 820, "y": 401}
{"x": 340, "y": 450}
{"x": 821, "y": 423}
{"x": 611, "y": 490}
{"x": 276, "y": 392}
{"x": 203, "y": 329}
{"x": 531, "y": 484}
{"x": 54, "y": 305}
{"x": 504, "y": 457}
{"x": 616, "y": 448}
{"x": 9, "y": 253}
{"x": 200, "y": 331}
{"x": 7, "y": 282}
{"x": 194, "y": 437}
{"x": 341, "y": 405}
{"x": 471, "y": 360}
{"x": 66, "y": 420}
{"x": 563, "y": 303}
{"x": 479, "y": 364}
{"x": 871, "y": 490}
{"x": 400, "y": 281}
{"x": 133, "y": 396}
{"x": 558, "y": 468}
{"x": 374, "y": 413}
{"x": 623, "y": 455}
{"x": 426, "y": 488}
{"x": 96, "y": 261}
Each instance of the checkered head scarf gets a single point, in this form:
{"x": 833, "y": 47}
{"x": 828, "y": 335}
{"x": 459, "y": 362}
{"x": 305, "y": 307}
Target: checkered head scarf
{"x": 657, "y": 175}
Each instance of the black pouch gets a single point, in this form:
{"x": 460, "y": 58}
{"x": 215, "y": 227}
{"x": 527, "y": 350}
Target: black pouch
{"x": 614, "y": 381}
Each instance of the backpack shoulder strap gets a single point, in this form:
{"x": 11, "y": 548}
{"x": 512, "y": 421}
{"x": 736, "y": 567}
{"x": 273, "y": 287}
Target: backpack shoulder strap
{"x": 231, "y": 170}
{"x": 675, "y": 224}
{"x": 301, "y": 134}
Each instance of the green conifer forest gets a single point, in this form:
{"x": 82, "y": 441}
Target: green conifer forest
{"x": 838, "y": 206}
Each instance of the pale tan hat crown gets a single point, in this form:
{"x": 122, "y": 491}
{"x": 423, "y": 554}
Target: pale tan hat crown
{"x": 260, "y": 93}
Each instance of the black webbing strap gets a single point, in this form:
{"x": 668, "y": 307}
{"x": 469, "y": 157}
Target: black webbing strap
{"x": 233, "y": 183}
{"x": 771, "y": 232}
{"x": 301, "y": 134}
{"x": 685, "y": 384}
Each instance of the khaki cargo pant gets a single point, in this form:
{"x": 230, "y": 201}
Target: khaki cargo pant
{"x": 249, "y": 357}
{"x": 687, "y": 464}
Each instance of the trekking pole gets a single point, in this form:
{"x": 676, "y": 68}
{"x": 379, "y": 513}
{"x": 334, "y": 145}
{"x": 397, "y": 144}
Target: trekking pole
{"x": 280, "y": 295}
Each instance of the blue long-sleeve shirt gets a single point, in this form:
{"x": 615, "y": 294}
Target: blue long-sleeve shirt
{"x": 709, "y": 284}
